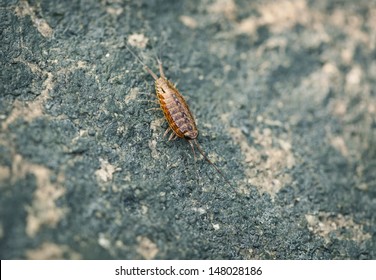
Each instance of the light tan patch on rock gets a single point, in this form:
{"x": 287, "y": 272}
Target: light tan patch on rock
{"x": 146, "y": 248}
{"x": 284, "y": 14}
{"x": 25, "y": 110}
{"x": 271, "y": 175}
{"x": 188, "y": 21}
{"x": 338, "y": 143}
{"x": 43, "y": 210}
{"x": 116, "y": 11}
{"x": 351, "y": 24}
{"x": 104, "y": 241}
{"x": 138, "y": 40}
{"x": 29, "y": 110}
{"x": 24, "y": 9}
{"x": 339, "y": 108}
{"x": 266, "y": 165}
{"x": 156, "y": 128}
{"x": 223, "y": 7}
{"x": 323, "y": 224}
{"x": 52, "y": 251}
{"x": 278, "y": 15}
{"x": 106, "y": 171}
{"x": 133, "y": 93}
{"x": 353, "y": 80}
{"x": 152, "y": 143}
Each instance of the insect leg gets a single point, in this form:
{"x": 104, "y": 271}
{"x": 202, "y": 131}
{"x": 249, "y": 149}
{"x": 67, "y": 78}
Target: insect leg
{"x": 173, "y": 136}
{"x": 153, "y": 109}
{"x": 145, "y": 100}
{"x": 166, "y": 132}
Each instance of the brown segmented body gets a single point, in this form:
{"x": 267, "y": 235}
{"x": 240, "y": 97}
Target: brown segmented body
{"x": 176, "y": 111}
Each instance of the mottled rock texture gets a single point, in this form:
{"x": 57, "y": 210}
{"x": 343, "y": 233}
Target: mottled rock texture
{"x": 284, "y": 97}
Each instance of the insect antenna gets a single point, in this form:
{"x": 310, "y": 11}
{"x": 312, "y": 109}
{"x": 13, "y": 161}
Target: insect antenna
{"x": 155, "y": 77}
{"x": 208, "y": 160}
{"x": 194, "y": 156}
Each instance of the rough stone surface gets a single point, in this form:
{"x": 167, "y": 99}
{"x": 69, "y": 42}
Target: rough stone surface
{"x": 284, "y": 97}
